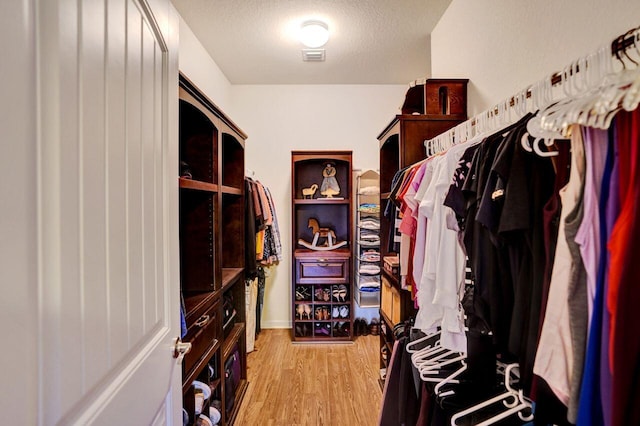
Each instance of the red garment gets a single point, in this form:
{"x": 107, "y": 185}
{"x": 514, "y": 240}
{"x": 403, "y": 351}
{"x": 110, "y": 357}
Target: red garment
{"x": 407, "y": 218}
{"x": 627, "y": 135}
{"x": 624, "y": 281}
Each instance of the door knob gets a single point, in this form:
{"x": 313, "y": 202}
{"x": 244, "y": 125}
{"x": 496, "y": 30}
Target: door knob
{"x": 180, "y": 349}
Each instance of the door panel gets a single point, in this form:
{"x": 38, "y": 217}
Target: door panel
{"x": 109, "y": 287}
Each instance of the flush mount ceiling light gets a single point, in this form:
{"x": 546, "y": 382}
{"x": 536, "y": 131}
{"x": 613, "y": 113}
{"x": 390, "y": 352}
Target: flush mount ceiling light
{"x": 314, "y": 34}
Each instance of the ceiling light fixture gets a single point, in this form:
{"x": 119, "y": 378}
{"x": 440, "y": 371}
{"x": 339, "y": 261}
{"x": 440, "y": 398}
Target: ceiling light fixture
{"x": 314, "y": 34}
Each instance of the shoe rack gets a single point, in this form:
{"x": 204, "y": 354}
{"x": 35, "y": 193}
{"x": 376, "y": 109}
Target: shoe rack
{"x": 322, "y": 297}
{"x": 429, "y": 109}
{"x": 211, "y": 211}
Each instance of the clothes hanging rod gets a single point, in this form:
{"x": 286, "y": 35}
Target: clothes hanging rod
{"x": 619, "y": 47}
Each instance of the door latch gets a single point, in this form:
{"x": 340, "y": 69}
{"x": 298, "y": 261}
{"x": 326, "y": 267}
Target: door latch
{"x": 180, "y": 349}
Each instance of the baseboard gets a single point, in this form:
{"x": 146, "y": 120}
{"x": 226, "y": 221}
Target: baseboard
{"x": 275, "y": 324}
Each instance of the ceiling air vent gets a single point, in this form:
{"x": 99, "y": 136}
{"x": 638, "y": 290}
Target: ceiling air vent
{"x": 313, "y": 55}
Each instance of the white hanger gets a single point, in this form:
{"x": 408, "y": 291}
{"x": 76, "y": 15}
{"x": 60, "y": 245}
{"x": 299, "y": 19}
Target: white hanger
{"x": 451, "y": 379}
{"x": 424, "y": 355}
{"x": 513, "y": 399}
{"x": 427, "y": 370}
{"x": 409, "y": 346}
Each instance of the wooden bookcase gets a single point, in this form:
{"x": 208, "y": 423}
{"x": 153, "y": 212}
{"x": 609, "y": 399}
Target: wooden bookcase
{"x": 322, "y": 294}
{"x": 212, "y": 245}
{"x": 401, "y": 144}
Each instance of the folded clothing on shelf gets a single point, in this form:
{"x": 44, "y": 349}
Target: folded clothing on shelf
{"x": 368, "y": 282}
{"x": 370, "y": 223}
{"x": 370, "y": 256}
{"x": 369, "y": 208}
{"x": 369, "y": 235}
{"x": 369, "y": 190}
{"x": 369, "y": 269}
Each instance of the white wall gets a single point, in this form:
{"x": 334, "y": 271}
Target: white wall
{"x": 18, "y": 220}
{"x": 502, "y": 46}
{"x": 282, "y": 118}
{"x": 198, "y": 66}
{"x": 279, "y": 119}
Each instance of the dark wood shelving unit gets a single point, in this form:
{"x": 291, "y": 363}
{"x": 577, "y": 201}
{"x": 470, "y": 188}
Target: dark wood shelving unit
{"x": 322, "y": 293}
{"x": 429, "y": 110}
{"x": 212, "y": 250}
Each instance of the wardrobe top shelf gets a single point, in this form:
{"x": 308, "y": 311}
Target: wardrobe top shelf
{"x": 231, "y": 190}
{"x": 230, "y": 276}
{"x": 420, "y": 117}
{"x": 321, "y": 201}
{"x": 197, "y": 185}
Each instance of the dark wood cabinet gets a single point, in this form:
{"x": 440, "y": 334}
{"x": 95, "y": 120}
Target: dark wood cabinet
{"x": 321, "y": 214}
{"x": 401, "y": 144}
{"x": 211, "y": 210}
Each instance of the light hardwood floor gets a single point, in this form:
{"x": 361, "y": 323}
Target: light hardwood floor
{"x": 311, "y": 384}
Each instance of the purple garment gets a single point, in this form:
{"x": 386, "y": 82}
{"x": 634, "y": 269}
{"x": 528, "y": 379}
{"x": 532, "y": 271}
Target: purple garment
{"x": 613, "y": 210}
{"x": 596, "y": 393}
{"x": 588, "y": 235}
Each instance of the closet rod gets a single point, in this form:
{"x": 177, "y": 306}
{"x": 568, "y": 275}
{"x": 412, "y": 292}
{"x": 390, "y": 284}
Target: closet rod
{"x": 618, "y": 46}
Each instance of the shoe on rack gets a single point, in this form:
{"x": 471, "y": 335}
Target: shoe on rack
{"x": 335, "y": 312}
{"x": 344, "y": 328}
{"x": 344, "y": 311}
{"x": 326, "y": 294}
{"x": 307, "y": 312}
{"x": 335, "y": 293}
{"x": 299, "y": 311}
{"x": 342, "y": 292}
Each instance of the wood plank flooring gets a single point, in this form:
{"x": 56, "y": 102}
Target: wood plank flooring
{"x": 311, "y": 384}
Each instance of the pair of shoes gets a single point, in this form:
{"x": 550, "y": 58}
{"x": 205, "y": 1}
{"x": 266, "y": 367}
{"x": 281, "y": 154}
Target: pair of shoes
{"x": 322, "y": 329}
{"x": 322, "y": 313}
{"x": 303, "y": 293}
{"x": 303, "y": 312}
{"x": 322, "y": 294}
{"x": 303, "y": 330}
{"x": 341, "y": 329}
{"x": 360, "y": 327}
{"x": 374, "y": 327}
{"x": 339, "y": 293}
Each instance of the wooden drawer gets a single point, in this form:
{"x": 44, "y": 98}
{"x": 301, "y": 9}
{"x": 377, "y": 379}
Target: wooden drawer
{"x": 202, "y": 336}
{"x": 322, "y": 270}
{"x": 390, "y": 301}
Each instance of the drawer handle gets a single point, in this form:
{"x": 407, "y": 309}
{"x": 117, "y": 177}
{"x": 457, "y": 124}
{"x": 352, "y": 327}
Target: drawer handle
{"x": 203, "y": 320}
{"x": 323, "y": 264}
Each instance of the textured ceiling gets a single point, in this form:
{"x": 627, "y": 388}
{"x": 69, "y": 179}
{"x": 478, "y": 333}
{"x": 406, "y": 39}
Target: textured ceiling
{"x": 371, "y": 41}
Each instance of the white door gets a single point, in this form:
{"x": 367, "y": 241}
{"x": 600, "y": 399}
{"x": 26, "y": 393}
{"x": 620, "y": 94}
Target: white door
{"x": 108, "y": 280}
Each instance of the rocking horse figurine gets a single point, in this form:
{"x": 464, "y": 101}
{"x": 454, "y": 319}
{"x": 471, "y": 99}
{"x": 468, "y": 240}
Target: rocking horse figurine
{"x": 328, "y": 234}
